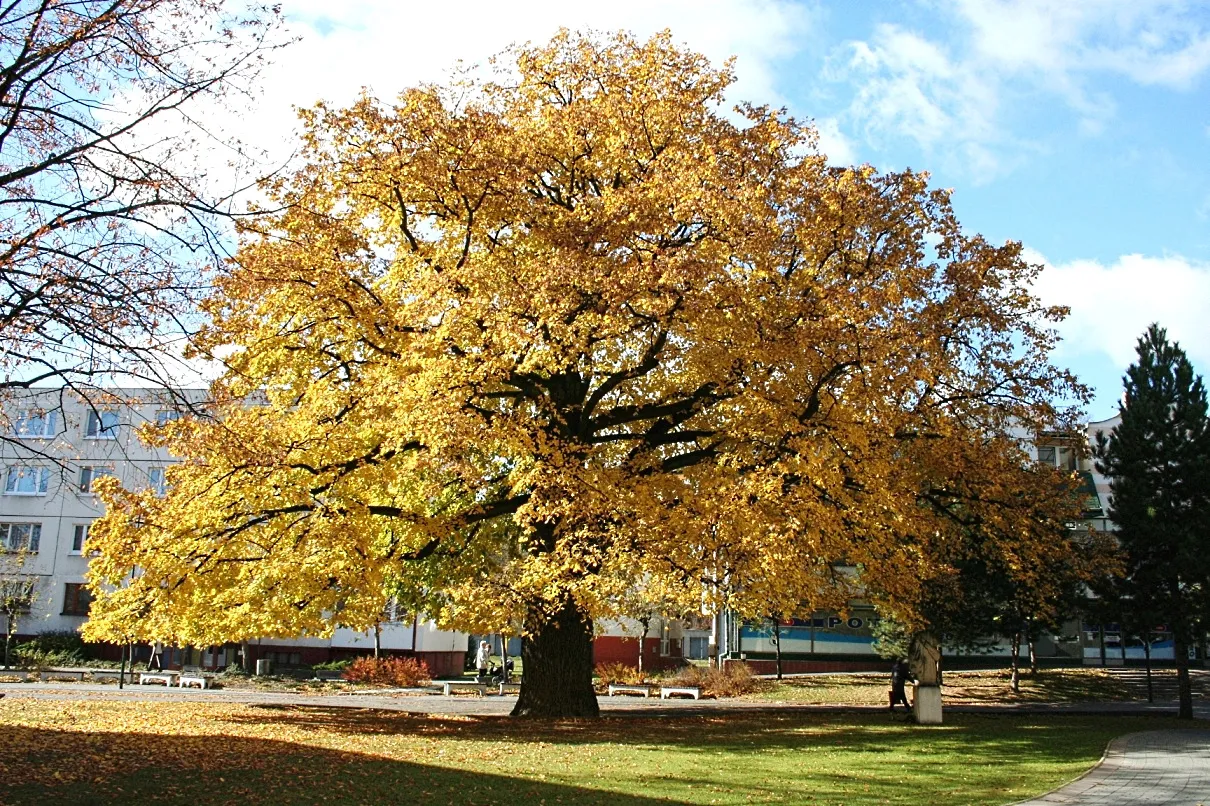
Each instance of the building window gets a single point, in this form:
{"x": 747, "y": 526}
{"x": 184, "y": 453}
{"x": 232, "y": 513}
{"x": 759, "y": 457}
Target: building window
{"x": 90, "y": 474}
{"x": 79, "y": 536}
{"x": 36, "y": 424}
{"x": 76, "y": 599}
{"x": 159, "y": 481}
{"x": 20, "y": 537}
{"x": 1059, "y": 456}
{"x": 283, "y": 658}
{"x": 165, "y": 416}
{"x": 102, "y": 424}
{"x": 23, "y": 480}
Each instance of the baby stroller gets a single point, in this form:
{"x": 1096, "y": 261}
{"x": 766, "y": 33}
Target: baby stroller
{"x": 500, "y": 674}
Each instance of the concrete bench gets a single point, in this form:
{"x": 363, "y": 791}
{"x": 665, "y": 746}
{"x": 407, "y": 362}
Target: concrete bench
{"x": 448, "y": 686}
{"x": 64, "y": 674}
{"x": 116, "y": 674}
{"x": 167, "y": 678}
{"x": 510, "y": 688}
{"x": 195, "y": 676}
{"x": 620, "y": 688}
{"x": 689, "y": 691}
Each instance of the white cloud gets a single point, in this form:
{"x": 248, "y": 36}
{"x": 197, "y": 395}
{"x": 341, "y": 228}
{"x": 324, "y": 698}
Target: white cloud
{"x": 387, "y": 46}
{"x": 1164, "y": 42}
{"x": 1111, "y": 305}
{"x": 907, "y": 85}
{"x": 838, "y": 148}
{"x": 954, "y": 95}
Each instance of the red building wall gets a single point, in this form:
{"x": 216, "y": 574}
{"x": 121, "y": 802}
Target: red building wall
{"x": 625, "y": 650}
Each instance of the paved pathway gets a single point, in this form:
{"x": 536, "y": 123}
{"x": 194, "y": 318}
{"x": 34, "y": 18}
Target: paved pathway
{"x": 473, "y": 705}
{"x": 1169, "y": 767}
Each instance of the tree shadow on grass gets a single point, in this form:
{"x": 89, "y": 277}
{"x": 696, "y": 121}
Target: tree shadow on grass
{"x": 738, "y": 758}
{"x": 1060, "y": 738}
{"x": 44, "y": 767}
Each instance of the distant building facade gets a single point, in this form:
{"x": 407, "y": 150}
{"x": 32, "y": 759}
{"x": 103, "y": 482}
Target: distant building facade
{"x": 57, "y": 443}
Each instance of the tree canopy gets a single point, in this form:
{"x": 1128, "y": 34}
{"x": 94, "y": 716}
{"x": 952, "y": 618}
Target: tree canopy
{"x": 1158, "y": 461}
{"x": 524, "y": 341}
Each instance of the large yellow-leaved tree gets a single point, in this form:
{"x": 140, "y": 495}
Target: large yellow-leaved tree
{"x": 523, "y": 343}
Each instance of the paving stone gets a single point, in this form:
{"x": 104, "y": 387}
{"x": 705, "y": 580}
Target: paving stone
{"x": 1155, "y": 768}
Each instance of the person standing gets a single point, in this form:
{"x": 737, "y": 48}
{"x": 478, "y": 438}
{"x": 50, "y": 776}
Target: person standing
{"x": 900, "y": 675}
{"x": 156, "y": 661}
{"x": 482, "y": 657}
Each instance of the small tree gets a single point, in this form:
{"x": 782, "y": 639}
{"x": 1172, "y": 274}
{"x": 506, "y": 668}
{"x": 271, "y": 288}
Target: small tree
{"x": 18, "y": 591}
{"x": 1158, "y": 462}
{"x": 775, "y": 627}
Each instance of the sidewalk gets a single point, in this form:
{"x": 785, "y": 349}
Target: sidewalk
{"x": 1156, "y": 768}
{"x": 495, "y": 705}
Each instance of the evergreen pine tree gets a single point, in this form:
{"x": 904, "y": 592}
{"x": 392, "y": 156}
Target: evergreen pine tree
{"x": 1158, "y": 462}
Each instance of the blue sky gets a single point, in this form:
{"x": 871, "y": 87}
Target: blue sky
{"x": 1079, "y": 127}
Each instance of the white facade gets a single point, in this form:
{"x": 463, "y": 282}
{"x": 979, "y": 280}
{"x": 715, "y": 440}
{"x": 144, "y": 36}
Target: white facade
{"x": 56, "y": 442}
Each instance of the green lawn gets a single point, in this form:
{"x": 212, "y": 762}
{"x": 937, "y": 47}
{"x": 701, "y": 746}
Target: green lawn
{"x": 91, "y": 752}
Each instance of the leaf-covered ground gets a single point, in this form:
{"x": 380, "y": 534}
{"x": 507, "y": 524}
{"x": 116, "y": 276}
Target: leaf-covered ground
{"x": 59, "y": 752}
{"x": 1049, "y": 685}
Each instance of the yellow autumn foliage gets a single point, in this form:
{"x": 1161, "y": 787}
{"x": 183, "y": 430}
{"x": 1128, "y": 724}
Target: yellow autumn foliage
{"x": 520, "y": 344}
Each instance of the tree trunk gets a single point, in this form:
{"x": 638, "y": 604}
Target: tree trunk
{"x": 646, "y": 622}
{"x": 558, "y": 663}
{"x": 1033, "y": 657}
{"x": 1180, "y": 650}
{"x": 504, "y": 675}
{"x": 377, "y": 639}
{"x": 777, "y": 643}
{"x": 8, "y": 639}
{"x": 1016, "y": 675}
{"x": 245, "y": 656}
{"x": 1147, "y": 663}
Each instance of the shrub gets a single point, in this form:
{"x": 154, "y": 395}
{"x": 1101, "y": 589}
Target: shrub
{"x": 67, "y": 641}
{"x": 332, "y": 666}
{"x": 31, "y": 656}
{"x": 52, "y": 648}
{"x": 732, "y": 680}
{"x": 401, "y": 672}
{"x": 620, "y": 673}
{"x": 56, "y": 643}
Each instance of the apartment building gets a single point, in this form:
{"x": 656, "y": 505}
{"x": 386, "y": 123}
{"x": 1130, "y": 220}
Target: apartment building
{"x": 56, "y": 443}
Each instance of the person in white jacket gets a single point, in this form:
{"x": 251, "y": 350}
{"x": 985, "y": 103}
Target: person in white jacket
{"x": 482, "y": 657}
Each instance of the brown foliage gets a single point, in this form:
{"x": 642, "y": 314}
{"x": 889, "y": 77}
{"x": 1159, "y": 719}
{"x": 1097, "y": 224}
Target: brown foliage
{"x": 620, "y": 673}
{"x": 732, "y": 680}
{"x": 401, "y": 672}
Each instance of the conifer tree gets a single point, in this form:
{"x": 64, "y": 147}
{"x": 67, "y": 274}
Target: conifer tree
{"x": 1158, "y": 460}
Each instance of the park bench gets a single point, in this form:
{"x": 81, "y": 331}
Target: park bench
{"x": 64, "y": 673}
{"x": 167, "y": 678}
{"x": 114, "y": 673}
{"x": 448, "y": 686}
{"x": 511, "y": 688}
{"x": 689, "y": 691}
{"x": 622, "y": 688}
{"x": 194, "y": 676}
